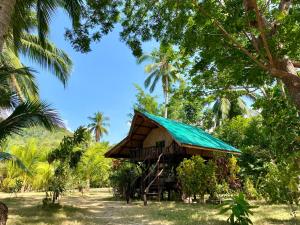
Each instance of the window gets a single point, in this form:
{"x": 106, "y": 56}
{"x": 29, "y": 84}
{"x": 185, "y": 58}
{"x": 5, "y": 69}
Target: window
{"x": 160, "y": 144}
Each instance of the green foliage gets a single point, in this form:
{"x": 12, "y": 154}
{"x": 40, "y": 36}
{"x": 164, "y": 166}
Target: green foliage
{"x": 122, "y": 177}
{"x": 249, "y": 189}
{"x": 234, "y": 169}
{"x": 44, "y": 139}
{"x": 98, "y": 125}
{"x": 29, "y": 114}
{"x": 41, "y": 13}
{"x": 161, "y": 69}
{"x": 184, "y": 107}
{"x": 196, "y": 177}
{"x": 281, "y": 183}
{"x": 34, "y": 158}
{"x": 269, "y": 137}
{"x": 65, "y": 159}
{"x": 240, "y": 210}
{"x": 97, "y": 19}
{"x": 11, "y": 185}
{"x": 146, "y": 103}
{"x": 94, "y": 168}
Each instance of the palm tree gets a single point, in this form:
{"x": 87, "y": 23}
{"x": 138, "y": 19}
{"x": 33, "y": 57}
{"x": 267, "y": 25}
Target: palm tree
{"x": 47, "y": 56}
{"x": 98, "y": 125}
{"x": 24, "y": 114}
{"x": 227, "y": 108}
{"x": 15, "y": 14}
{"x": 162, "y": 69}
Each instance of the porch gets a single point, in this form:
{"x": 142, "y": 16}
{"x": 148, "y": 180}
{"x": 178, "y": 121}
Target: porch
{"x": 153, "y": 152}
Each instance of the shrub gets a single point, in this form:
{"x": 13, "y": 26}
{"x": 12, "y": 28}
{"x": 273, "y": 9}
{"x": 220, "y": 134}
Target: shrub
{"x": 12, "y": 185}
{"x": 234, "y": 169}
{"x": 196, "y": 177}
{"x": 191, "y": 174}
{"x": 240, "y": 210}
{"x": 249, "y": 189}
{"x": 280, "y": 185}
{"x": 123, "y": 176}
{"x": 222, "y": 188}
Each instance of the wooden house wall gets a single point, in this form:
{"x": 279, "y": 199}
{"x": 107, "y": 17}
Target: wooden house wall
{"x": 155, "y": 135}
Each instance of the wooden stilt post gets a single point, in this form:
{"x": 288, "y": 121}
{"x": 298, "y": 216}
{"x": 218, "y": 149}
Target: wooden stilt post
{"x": 145, "y": 198}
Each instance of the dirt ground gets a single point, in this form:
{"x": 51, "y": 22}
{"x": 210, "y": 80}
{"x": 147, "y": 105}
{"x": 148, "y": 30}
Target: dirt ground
{"x": 98, "y": 207}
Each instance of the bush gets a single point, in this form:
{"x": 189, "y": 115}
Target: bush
{"x": 249, "y": 189}
{"x": 123, "y": 176}
{"x": 196, "y": 177}
{"x": 280, "y": 185}
{"x": 240, "y": 210}
{"x": 12, "y": 185}
{"x": 222, "y": 188}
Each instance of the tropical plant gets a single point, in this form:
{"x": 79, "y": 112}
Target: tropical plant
{"x": 146, "y": 102}
{"x": 5, "y": 156}
{"x": 65, "y": 158}
{"x": 227, "y": 108}
{"x": 240, "y": 210}
{"x": 162, "y": 68}
{"x": 93, "y": 167}
{"x": 249, "y": 189}
{"x": 98, "y": 125}
{"x": 44, "y": 54}
{"x": 185, "y": 107}
{"x": 280, "y": 184}
{"x": 196, "y": 177}
{"x": 17, "y": 14}
{"x": 29, "y": 114}
{"x": 253, "y": 42}
{"x": 123, "y": 175}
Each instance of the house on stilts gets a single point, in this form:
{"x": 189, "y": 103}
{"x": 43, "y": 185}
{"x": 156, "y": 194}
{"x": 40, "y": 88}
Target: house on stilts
{"x": 158, "y": 145}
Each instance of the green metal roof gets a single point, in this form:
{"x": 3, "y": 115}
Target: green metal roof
{"x": 190, "y": 135}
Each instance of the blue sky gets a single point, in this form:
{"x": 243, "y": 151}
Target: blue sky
{"x": 102, "y": 80}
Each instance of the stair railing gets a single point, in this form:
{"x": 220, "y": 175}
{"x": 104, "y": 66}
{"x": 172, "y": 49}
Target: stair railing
{"x": 152, "y": 170}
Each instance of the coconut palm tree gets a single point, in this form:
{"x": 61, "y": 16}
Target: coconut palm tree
{"x": 98, "y": 125}
{"x": 227, "y": 108}
{"x": 161, "y": 69}
{"x": 14, "y": 16}
{"x": 24, "y": 114}
{"x": 47, "y": 56}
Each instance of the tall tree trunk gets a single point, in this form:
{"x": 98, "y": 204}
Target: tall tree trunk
{"x": 97, "y": 135}
{"x": 17, "y": 88}
{"x": 6, "y": 11}
{"x": 290, "y": 79}
{"x": 3, "y": 213}
{"x": 166, "y": 93}
{"x": 88, "y": 183}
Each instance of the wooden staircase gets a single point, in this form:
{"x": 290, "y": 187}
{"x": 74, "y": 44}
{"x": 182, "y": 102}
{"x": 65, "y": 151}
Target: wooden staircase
{"x": 151, "y": 183}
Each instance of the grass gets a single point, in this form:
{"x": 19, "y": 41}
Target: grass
{"x": 98, "y": 207}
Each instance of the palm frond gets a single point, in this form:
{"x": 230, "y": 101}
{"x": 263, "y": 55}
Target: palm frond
{"x": 29, "y": 114}
{"x": 156, "y": 79}
{"x": 243, "y": 106}
{"x": 148, "y": 80}
{"x": 47, "y": 56}
{"x": 24, "y": 84}
{"x": 225, "y": 107}
{"x": 7, "y": 71}
{"x": 5, "y": 156}
{"x": 144, "y": 58}
{"x": 73, "y": 8}
{"x": 44, "y": 9}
